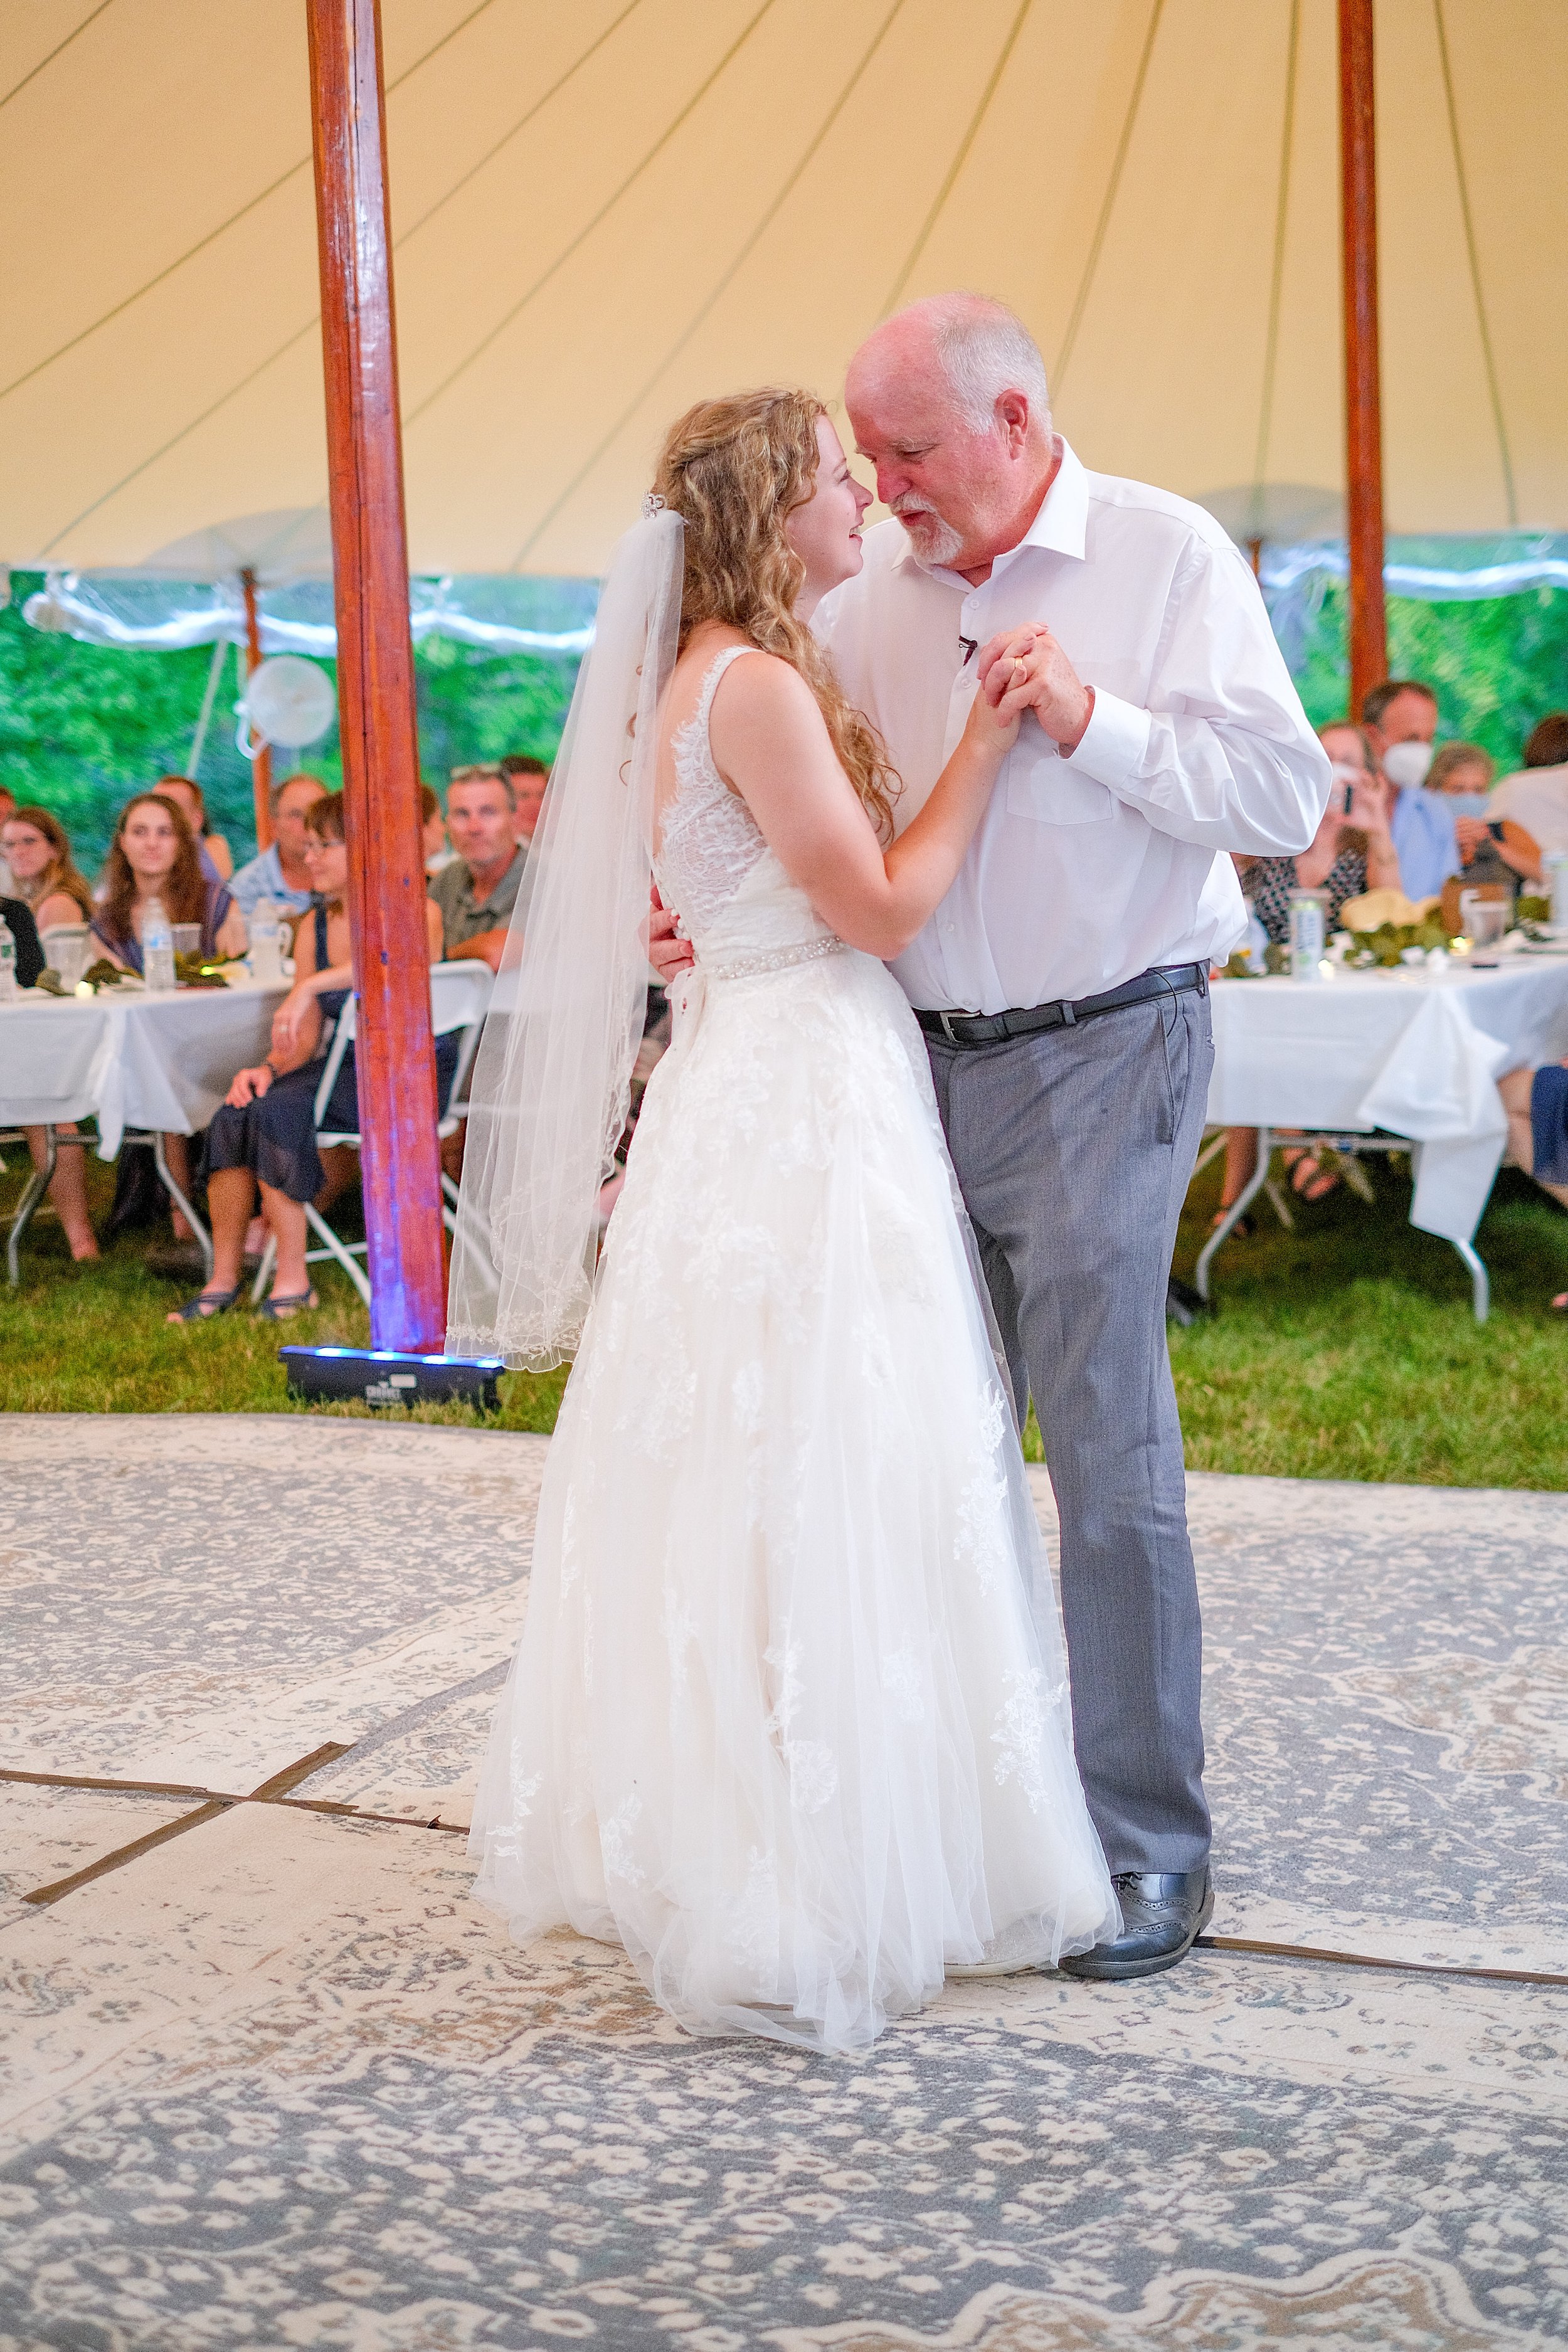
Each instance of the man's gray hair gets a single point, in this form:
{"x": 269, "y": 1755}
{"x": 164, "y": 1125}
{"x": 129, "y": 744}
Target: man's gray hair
{"x": 985, "y": 349}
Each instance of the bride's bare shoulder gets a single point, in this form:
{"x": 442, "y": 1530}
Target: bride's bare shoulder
{"x": 760, "y": 690}
{"x": 764, "y": 689}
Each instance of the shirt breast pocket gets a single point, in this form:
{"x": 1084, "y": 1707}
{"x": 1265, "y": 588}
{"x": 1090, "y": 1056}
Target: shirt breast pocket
{"x": 1041, "y": 785}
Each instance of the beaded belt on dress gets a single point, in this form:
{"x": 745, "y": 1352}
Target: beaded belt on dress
{"x": 770, "y": 958}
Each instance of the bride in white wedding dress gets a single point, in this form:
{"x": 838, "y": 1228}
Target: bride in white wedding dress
{"x": 788, "y": 1720}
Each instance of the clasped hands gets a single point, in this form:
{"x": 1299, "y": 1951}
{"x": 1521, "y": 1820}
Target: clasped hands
{"x": 1030, "y": 665}
{"x": 1027, "y": 664}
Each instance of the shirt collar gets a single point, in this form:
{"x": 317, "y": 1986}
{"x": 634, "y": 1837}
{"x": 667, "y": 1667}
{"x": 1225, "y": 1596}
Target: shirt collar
{"x": 1059, "y": 528}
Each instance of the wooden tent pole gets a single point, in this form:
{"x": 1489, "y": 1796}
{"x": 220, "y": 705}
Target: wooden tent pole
{"x": 399, "y": 1154}
{"x": 261, "y": 766}
{"x": 1363, "y": 408}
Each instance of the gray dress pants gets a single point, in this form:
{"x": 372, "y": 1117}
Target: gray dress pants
{"x": 1074, "y": 1150}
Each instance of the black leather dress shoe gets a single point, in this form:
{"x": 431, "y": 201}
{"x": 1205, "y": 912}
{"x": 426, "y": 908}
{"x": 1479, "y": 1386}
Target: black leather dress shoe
{"x": 1161, "y": 1911}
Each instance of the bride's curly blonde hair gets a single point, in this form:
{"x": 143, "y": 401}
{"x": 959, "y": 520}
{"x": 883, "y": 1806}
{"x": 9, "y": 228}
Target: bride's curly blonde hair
{"x": 734, "y": 471}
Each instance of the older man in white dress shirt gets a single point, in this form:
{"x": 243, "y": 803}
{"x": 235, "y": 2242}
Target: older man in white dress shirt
{"x": 1062, "y": 983}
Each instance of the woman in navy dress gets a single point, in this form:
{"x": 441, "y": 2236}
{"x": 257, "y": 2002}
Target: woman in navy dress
{"x": 265, "y": 1134}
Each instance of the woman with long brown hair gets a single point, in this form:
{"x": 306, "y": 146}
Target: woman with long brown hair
{"x": 36, "y": 848}
{"x": 153, "y": 856}
{"x": 788, "y": 1720}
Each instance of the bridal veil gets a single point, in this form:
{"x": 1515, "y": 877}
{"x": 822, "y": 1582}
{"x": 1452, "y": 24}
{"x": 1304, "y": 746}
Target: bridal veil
{"x": 553, "y": 1077}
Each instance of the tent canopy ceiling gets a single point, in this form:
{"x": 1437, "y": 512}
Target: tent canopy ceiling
{"x": 603, "y": 213}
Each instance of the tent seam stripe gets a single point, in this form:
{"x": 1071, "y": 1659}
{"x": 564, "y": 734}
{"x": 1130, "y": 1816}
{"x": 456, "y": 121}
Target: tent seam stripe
{"x": 960, "y": 159}
{"x": 1080, "y": 303}
{"x": 523, "y": 121}
{"x": 1487, "y": 354}
{"x": 1277, "y": 277}
{"x": 249, "y": 205}
{"x": 16, "y": 88}
{"x": 315, "y": 320}
{"x": 758, "y": 233}
{"x": 421, "y": 407}
{"x": 194, "y": 426}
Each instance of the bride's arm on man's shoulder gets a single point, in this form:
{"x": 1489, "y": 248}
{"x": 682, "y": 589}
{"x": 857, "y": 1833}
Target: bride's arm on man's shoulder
{"x": 772, "y": 746}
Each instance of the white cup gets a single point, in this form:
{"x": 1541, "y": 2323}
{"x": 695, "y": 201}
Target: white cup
{"x": 1485, "y": 919}
{"x": 66, "y": 950}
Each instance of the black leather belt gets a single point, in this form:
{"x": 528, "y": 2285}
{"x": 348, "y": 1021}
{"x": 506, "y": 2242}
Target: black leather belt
{"x": 1000, "y": 1028}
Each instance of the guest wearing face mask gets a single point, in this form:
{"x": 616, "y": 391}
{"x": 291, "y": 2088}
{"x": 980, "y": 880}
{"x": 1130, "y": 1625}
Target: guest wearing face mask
{"x": 1401, "y": 720}
{"x": 1493, "y": 848}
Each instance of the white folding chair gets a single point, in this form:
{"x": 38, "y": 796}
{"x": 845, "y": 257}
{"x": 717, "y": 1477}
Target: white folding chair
{"x": 459, "y": 997}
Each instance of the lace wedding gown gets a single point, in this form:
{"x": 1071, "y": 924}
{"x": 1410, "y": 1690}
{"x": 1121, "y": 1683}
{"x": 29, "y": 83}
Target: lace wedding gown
{"x": 788, "y": 1720}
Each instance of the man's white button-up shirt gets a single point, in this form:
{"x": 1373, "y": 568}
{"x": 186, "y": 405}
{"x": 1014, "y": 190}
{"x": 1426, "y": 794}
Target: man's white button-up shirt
{"x": 1086, "y": 870}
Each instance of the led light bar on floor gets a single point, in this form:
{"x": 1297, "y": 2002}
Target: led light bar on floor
{"x": 382, "y": 1376}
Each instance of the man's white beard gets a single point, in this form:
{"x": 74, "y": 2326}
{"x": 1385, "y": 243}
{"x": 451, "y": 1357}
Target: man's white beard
{"x": 934, "y": 540}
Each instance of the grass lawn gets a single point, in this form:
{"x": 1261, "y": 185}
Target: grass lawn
{"x": 1345, "y": 1350}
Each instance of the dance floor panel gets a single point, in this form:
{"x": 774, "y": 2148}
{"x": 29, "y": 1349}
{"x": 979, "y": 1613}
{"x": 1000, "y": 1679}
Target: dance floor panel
{"x": 276, "y": 2080}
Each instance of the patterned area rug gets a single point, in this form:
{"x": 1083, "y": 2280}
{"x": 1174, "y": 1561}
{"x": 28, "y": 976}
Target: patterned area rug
{"x": 274, "y": 2079}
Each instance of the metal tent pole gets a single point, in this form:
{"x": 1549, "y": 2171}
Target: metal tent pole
{"x": 261, "y": 765}
{"x": 393, "y": 1054}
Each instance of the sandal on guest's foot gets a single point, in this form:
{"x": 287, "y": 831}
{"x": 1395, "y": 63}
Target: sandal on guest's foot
{"x": 204, "y": 1307}
{"x": 1243, "y": 1229}
{"x": 283, "y": 1310}
{"x": 1559, "y": 1304}
{"x": 1309, "y": 1179}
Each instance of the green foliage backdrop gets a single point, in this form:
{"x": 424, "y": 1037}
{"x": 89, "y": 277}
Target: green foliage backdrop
{"x": 81, "y": 727}
{"x": 1495, "y": 667}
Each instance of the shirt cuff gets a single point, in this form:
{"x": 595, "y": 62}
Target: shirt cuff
{"x": 1113, "y": 745}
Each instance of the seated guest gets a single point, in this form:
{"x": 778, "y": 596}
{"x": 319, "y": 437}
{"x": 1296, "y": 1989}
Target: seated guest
{"x": 36, "y": 848}
{"x": 265, "y": 1134}
{"x": 153, "y": 856}
{"x": 1352, "y": 852}
{"x": 8, "y": 803}
{"x": 1465, "y": 772}
{"x": 279, "y": 872}
{"x": 438, "y": 853}
{"x": 529, "y": 779}
{"x": 216, "y": 857}
{"x": 1536, "y": 796}
{"x": 18, "y": 920}
{"x": 1493, "y": 848}
{"x": 477, "y": 893}
{"x": 1536, "y": 1101}
{"x": 1401, "y": 720}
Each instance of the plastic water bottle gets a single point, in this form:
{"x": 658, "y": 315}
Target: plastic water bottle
{"x": 157, "y": 947}
{"x": 1309, "y": 911}
{"x": 266, "y": 943}
{"x": 7, "y": 963}
{"x": 1556, "y": 869}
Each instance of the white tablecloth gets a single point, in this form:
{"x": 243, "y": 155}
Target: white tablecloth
{"x": 1415, "y": 1054}
{"x": 154, "y": 1061}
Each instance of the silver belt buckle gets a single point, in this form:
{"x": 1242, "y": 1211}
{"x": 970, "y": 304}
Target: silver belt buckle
{"x": 946, "y": 1019}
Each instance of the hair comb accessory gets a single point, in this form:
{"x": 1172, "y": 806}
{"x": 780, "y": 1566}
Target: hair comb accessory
{"x": 652, "y": 504}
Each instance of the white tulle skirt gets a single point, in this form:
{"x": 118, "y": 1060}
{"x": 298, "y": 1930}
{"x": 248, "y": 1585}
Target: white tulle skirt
{"x": 789, "y": 1720}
